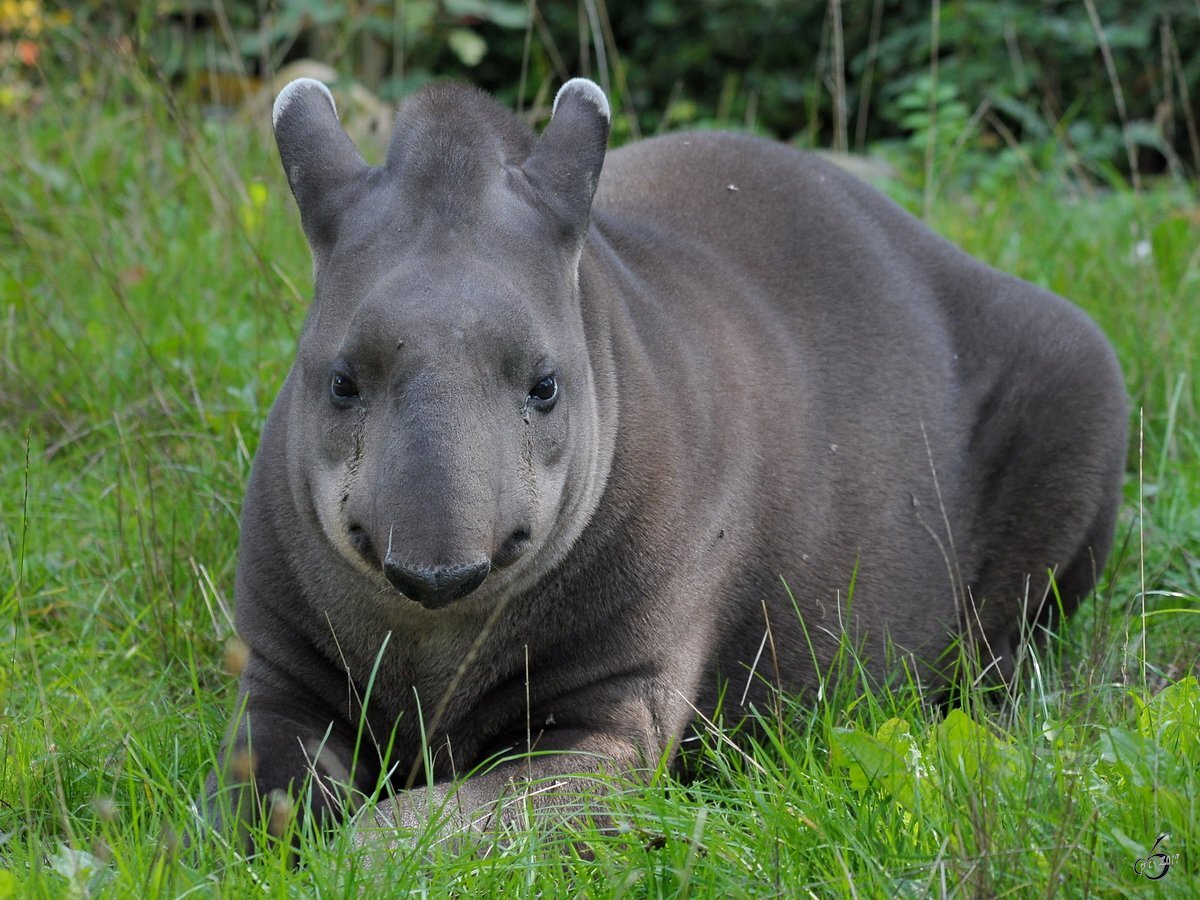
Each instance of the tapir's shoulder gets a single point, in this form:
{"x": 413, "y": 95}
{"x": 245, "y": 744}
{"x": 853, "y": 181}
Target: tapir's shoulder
{"x": 727, "y": 186}
{"x": 697, "y": 147}
{"x": 713, "y": 164}
{"x": 747, "y": 199}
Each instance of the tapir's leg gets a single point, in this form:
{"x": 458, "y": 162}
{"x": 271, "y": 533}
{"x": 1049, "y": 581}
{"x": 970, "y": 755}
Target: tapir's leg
{"x": 553, "y": 783}
{"x": 569, "y": 762}
{"x": 1075, "y": 580}
{"x": 1051, "y": 491}
{"x": 286, "y": 744}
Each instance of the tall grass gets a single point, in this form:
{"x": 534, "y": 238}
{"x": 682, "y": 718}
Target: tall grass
{"x": 154, "y": 277}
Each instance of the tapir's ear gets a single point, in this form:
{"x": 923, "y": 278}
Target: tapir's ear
{"x": 318, "y": 156}
{"x": 565, "y": 164}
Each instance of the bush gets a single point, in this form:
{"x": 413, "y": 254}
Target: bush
{"x": 1094, "y": 87}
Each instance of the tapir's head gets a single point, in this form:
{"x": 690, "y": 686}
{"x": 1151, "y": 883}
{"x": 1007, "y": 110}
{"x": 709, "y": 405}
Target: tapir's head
{"x": 443, "y": 426}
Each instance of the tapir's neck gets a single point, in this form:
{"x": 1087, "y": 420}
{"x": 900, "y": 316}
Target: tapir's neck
{"x": 587, "y": 486}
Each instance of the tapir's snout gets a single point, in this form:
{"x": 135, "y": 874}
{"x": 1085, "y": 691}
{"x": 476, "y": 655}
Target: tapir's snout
{"x": 441, "y": 501}
{"x": 429, "y": 522}
{"x": 436, "y": 587}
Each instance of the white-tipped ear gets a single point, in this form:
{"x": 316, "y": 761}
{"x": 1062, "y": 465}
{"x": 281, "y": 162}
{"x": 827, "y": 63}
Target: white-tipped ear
{"x": 586, "y": 90}
{"x": 564, "y": 165}
{"x": 318, "y": 156}
{"x": 289, "y": 92}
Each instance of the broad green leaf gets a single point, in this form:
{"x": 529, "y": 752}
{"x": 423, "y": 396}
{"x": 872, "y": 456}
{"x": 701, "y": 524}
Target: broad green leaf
{"x": 468, "y": 46}
{"x": 1172, "y": 716}
{"x": 1139, "y": 760}
{"x": 888, "y": 760}
{"x": 1059, "y": 734}
{"x": 864, "y": 756}
{"x": 969, "y": 746}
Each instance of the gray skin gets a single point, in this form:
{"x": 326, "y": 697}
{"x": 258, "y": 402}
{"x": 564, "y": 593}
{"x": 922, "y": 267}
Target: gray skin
{"x": 545, "y": 459}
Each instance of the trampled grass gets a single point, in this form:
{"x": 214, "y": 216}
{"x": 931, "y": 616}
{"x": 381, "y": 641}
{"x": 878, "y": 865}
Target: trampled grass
{"x": 153, "y": 280}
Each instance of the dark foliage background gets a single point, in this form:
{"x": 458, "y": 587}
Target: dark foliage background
{"x": 1096, "y": 86}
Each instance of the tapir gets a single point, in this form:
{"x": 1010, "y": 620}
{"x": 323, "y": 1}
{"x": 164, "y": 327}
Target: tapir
{"x": 582, "y": 449}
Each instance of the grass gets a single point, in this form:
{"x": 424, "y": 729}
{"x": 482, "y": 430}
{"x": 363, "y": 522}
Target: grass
{"x": 153, "y": 280}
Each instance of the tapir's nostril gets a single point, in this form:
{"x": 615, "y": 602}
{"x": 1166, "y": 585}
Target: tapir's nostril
{"x": 512, "y": 548}
{"x": 435, "y": 587}
{"x": 361, "y": 541}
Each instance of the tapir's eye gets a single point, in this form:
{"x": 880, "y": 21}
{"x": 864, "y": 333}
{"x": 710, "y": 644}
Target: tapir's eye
{"x": 342, "y": 388}
{"x": 543, "y": 394}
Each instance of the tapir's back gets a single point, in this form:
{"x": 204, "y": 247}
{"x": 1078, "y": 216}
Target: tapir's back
{"x": 833, "y": 245}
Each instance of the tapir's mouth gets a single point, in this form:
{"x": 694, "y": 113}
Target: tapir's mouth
{"x": 435, "y": 587}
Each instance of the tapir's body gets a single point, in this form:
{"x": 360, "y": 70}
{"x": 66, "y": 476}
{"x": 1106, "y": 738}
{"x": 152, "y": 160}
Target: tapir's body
{"x": 758, "y": 372}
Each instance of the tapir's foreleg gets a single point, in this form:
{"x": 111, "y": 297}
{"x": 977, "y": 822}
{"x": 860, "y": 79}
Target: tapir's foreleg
{"x": 545, "y": 785}
{"x": 618, "y": 727}
{"x": 287, "y": 753}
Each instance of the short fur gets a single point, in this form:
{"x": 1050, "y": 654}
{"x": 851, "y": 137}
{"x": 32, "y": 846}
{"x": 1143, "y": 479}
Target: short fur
{"x": 766, "y": 373}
